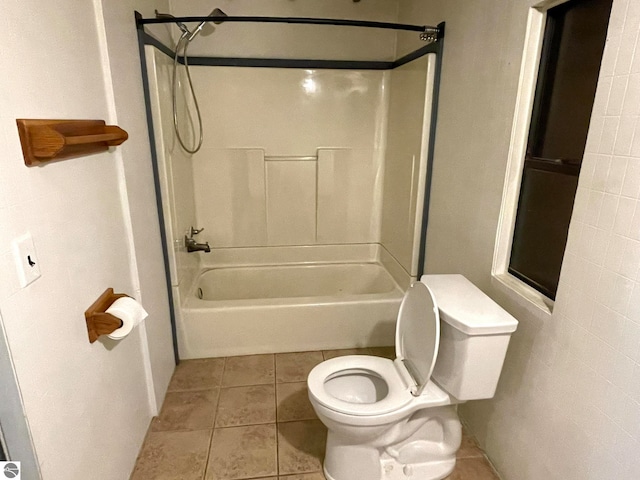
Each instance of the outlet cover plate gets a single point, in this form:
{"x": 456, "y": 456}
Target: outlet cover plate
{"x": 27, "y": 263}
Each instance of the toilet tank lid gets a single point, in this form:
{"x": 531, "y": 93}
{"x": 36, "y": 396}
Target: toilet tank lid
{"x": 466, "y": 308}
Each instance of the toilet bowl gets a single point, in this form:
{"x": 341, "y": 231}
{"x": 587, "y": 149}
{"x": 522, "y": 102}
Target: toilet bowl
{"x": 396, "y": 419}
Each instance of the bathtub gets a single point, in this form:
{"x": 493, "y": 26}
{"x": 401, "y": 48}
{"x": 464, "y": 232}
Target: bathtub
{"x": 291, "y": 306}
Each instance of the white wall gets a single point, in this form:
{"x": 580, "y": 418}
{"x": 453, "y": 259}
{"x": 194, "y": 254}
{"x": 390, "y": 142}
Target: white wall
{"x": 84, "y": 403}
{"x": 567, "y": 405}
{"x": 128, "y": 110}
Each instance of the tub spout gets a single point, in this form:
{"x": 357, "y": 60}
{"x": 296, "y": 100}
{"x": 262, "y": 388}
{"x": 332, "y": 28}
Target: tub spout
{"x": 193, "y": 246}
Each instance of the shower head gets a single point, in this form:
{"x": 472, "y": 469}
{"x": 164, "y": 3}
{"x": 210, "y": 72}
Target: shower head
{"x": 181, "y": 25}
{"x": 205, "y": 28}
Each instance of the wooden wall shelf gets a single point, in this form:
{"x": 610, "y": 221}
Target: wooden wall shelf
{"x": 98, "y": 321}
{"x": 45, "y": 141}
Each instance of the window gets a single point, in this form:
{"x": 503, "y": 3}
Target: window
{"x": 573, "y": 43}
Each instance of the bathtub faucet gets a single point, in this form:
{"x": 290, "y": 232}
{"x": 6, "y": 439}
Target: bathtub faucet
{"x": 191, "y": 243}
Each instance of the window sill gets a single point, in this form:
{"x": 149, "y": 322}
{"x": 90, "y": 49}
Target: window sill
{"x": 523, "y": 294}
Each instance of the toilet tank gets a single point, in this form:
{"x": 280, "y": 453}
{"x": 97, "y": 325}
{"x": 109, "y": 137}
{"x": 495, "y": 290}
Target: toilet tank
{"x": 474, "y": 336}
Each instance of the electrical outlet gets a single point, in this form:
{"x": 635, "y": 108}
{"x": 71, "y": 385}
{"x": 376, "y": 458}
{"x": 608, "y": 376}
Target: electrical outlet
{"x": 27, "y": 262}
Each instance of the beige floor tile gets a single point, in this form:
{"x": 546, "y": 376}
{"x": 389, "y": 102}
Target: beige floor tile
{"x": 187, "y": 411}
{"x": 180, "y": 439}
{"x": 200, "y": 374}
{"x": 246, "y": 406}
{"x": 327, "y": 354}
{"x": 304, "y": 476}
{"x": 295, "y": 367}
{"x": 243, "y": 452}
{"x": 473, "y": 469}
{"x": 293, "y": 402}
{"x": 385, "y": 352}
{"x": 469, "y": 448}
{"x": 248, "y": 370}
{"x": 301, "y": 447}
{"x": 173, "y": 456}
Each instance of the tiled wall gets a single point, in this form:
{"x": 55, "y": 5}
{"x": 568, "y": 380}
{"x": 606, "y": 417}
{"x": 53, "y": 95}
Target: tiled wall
{"x": 567, "y": 406}
{"x": 571, "y": 399}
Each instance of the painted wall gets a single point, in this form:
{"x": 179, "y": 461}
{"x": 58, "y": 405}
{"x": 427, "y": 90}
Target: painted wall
{"x": 567, "y": 405}
{"x": 295, "y": 41}
{"x": 84, "y": 403}
{"x": 128, "y": 110}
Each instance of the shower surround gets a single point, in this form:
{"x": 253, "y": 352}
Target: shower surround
{"x": 290, "y": 187}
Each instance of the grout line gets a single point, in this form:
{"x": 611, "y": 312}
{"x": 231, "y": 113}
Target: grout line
{"x": 206, "y": 389}
{"x": 224, "y": 369}
{"x": 250, "y": 425}
{"x": 245, "y": 425}
{"x": 217, "y": 408}
{"x": 206, "y": 465}
{"x": 275, "y": 396}
{"x": 277, "y": 439}
{"x": 182, "y": 430}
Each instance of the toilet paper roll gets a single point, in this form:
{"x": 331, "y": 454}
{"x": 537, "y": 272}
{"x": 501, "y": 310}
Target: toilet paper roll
{"x": 130, "y": 312}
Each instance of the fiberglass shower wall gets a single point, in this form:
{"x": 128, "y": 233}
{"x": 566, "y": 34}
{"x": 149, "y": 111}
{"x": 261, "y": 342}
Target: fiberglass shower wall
{"x": 290, "y": 156}
{"x": 175, "y": 169}
{"x": 295, "y": 156}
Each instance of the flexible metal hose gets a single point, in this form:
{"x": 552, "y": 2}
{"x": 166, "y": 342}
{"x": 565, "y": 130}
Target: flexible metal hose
{"x": 184, "y": 40}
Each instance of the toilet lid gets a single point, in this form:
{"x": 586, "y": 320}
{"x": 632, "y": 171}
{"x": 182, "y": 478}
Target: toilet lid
{"x": 418, "y": 334}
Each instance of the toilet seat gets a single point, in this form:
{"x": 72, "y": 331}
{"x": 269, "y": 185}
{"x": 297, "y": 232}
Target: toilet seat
{"x": 398, "y": 392}
{"x": 418, "y": 335}
{"x": 417, "y": 342}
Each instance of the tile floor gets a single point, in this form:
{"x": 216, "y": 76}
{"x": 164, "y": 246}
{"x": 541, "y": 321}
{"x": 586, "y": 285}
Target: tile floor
{"x": 250, "y": 418}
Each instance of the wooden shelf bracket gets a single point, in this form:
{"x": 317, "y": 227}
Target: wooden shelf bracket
{"x": 98, "y": 321}
{"x": 45, "y": 141}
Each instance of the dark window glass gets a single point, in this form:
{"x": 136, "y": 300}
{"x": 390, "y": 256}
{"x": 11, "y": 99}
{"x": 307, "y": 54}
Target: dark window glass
{"x": 574, "y": 40}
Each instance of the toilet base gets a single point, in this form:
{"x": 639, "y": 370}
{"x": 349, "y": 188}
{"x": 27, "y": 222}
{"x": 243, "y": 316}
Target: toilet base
{"x": 435, "y": 470}
{"x": 430, "y": 439}
{"x": 393, "y": 470}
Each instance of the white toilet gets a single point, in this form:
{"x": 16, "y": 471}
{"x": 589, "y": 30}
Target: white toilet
{"x": 397, "y": 419}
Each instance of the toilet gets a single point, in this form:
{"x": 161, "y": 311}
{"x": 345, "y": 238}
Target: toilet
{"x": 397, "y": 419}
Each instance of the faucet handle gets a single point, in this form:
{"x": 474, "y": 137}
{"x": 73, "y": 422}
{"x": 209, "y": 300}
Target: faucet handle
{"x": 195, "y": 231}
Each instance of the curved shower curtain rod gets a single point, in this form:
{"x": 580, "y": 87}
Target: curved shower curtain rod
{"x": 423, "y": 29}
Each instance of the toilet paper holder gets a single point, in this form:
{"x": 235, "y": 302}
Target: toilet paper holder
{"x": 98, "y": 321}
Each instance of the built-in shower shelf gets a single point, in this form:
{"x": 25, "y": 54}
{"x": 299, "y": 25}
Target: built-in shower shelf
{"x": 45, "y": 141}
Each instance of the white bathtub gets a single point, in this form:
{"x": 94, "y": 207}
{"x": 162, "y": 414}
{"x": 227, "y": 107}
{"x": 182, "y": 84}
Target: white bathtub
{"x": 289, "y": 307}
{"x": 307, "y": 282}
